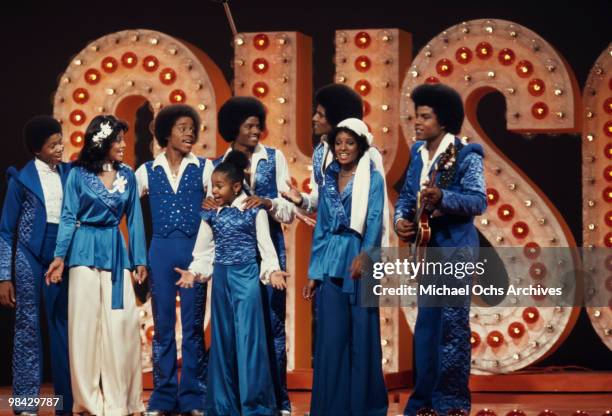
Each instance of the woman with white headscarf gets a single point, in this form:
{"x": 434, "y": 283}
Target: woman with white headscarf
{"x": 348, "y": 377}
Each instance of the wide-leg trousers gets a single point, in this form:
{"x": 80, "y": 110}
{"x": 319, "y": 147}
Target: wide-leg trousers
{"x": 239, "y": 374}
{"x": 348, "y": 377}
{"x": 104, "y": 345}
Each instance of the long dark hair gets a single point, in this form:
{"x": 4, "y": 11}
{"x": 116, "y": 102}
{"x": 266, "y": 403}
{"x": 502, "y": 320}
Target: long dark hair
{"x": 94, "y": 153}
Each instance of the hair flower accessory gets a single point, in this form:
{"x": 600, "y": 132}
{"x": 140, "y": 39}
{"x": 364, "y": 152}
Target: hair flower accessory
{"x": 105, "y": 131}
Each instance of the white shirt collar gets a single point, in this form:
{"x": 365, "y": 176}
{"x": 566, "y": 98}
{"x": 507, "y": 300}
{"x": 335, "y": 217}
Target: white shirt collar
{"x": 162, "y": 160}
{"x": 446, "y": 141}
{"x": 258, "y": 153}
{"x": 238, "y": 202}
{"x": 43, "y": 166}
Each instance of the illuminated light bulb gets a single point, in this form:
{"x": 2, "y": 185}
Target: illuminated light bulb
{"x": 77, "y": 138}
{"x": 444, "y": 67}
{"x": 177, "y": 96}
{"x": 591, "y": 203}
{"x": 66, "y": 80}
{"x": 491, "y": 74}
{"x": 428, "y": 54}
{"x": 362, "y": 40}
{"x": 363, "y": 87}
{"x": 495, "y": 339}
{"x": 590, "y": 114}
{"x": 414, "y": 73}
{"x": 363, "y": 63}
{"x": 341, "y": 79}
{"x": 260, "y": 65}
{"x": 282, "y": 121}
{"x": 281, "y": 100}
{"x": 536, "y": 87}
{"x": 260, "y": 89}
{"x": 484, "y": 50}
{"x": 153, "y": 41}
{"x": 463, "y": 55}
{"x": 385, "y": 130}
{"x": 261, "y": 41}
{"x": 539, "y": 110}
{"x": 607, "y": 128}
{"x": 506, "y": 56}
{"x": 516, "y": 356}
{"x": 110, "y": 91}
{"x": 239, "y": 62}
{"x": 513, "y": 34}
{"x": 239, "y": 41}
{"x": 129, "y": 59}
{"x": 558, "y": 92}
{"x": 484, "y": 222}
{"x": 520, "y": 229}
{"x": 524, "y": 69}
{"x": 80, "y": 95}
{"x": 150, "y": 63}
{"x": 531, "y": 250}
{"x": 474, "y": 339}
{"x": 528, "y": 202}
{"x": 77, "y": 117}
{"x": 201, "y": 107}
{"x": 489, "y": 29}
{"x": 607, "y": 105}
{"x": 511, "y": 90}
{"x": 78, "y": 62}
{"x": 512, "y": 186}
{"x": 92, "y": 76}
{"x": 590, "y": 137}
{"x": 531, "y": 315}
{"x": 560, "y": 114}
{"x": 499, "y": 239}
{"x": 467, "y": 77}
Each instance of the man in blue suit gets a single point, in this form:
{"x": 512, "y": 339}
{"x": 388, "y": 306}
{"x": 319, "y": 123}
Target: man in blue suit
{"x": 441, "y": 340}
{"x": 29, "y": 224}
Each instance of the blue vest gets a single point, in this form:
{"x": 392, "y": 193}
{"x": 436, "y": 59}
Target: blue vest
{"x": 265, "y": 186}
{"x": 234, "y": 233}
{"x": 178, "y": 211}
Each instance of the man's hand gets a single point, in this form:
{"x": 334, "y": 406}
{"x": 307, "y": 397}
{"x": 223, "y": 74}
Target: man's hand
{"x": 311, "y": 222}
{"x": 431, "y": 196}
{"x": 405, "y": 230}
{"x": 255, "y": 201}
{"x": 7, "y": 294}
{"x": 293, "y": 194}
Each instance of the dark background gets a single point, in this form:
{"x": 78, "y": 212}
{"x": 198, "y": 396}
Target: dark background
{"x": 38, "y": 41}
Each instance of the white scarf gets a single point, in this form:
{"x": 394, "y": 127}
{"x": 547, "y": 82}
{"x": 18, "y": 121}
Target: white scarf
{"x": 361, "y": 182}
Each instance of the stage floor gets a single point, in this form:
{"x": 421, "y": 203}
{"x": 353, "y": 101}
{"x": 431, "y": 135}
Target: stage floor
{"x": 563, "y": 404}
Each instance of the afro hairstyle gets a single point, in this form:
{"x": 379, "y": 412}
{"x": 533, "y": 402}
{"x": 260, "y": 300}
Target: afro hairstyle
{"x": 340, "y": 102}
{"x": 164, "y": 122}
{"x": 445, "y": 102}
{"x": 37, "y": 130}
{"x": 235, "y": 111}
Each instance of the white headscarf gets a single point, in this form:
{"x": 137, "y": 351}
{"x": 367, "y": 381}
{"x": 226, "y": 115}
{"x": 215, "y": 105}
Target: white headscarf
{"x": 361, "y": 182}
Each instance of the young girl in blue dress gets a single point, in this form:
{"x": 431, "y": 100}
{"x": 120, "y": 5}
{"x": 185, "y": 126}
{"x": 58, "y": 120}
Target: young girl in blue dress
{"x": 229, "y": 242}
{"x": 347, "y": 376}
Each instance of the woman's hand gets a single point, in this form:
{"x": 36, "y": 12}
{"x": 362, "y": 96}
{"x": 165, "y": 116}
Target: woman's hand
{"x": 308, "y": 291}
{"x": 140, "y": 274}
{"x": 55, "y": 271}
{"x": 255, "y": 201}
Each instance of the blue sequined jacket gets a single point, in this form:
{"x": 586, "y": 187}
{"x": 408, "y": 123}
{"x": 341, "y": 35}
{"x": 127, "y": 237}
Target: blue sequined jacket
{"x": 24, "y": 216}
{"x": 462, "y": 199}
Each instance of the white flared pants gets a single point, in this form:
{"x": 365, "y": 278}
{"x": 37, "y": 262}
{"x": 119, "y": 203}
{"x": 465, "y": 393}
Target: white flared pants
{"x": 104, "y": 345}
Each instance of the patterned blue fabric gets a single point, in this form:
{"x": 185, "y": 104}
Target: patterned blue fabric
{"x": 27, "y": 370}
{"x": 24, "y": 223}
{"x": 441, "y": 339}
{"x": 464, "y": 198}
{"x": 178, "y": 211}
{"x": 234, "y": 234}
{"x": 317, "y": 161}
